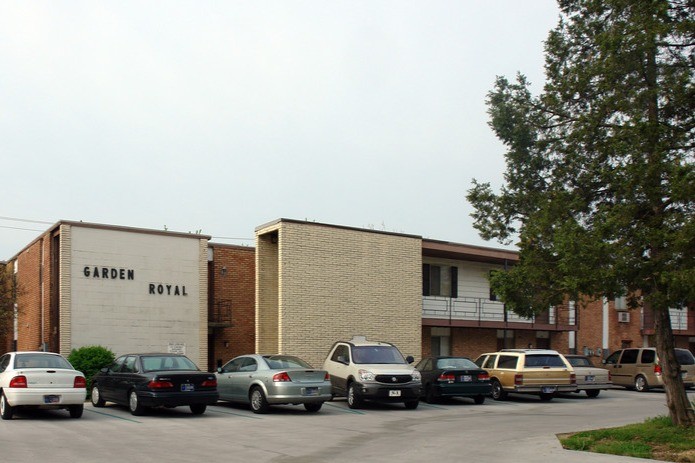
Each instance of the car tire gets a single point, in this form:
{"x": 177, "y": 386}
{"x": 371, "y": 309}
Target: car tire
{"x": 497, "y": 392}
{"x": 313, "y": 407}
{"x": 76, "y": 411}
{"x": 546, "y": 397}
{"x": 430, "y": 397}
{"x": 198, "y": 409}
{"x": 97, "y": 400}
{"x": 479, "y": 399}
{"x": 134, "y": 405}
{"x": 411, "y": 404}
{"x": 353, "y": 400}
{"x": 641, "y": 384}
{"x": 593, "y": 393}
{"x": 6, "y": 410}
{"x": 259, "y": 404}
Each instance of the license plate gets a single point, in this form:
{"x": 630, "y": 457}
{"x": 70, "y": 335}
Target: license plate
{"x": 466, "y": 378}
{"x": 589, "y": 379}
{"x": 51, "y": 399}
{"x": 548, "y": 389}
{"x": 394, "y": 393}
{"x": 187, "y": 387}
{"x": 311, "y": 391}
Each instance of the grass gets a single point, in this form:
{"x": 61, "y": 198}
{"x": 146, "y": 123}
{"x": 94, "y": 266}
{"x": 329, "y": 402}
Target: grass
{"x": 656, "y": 438}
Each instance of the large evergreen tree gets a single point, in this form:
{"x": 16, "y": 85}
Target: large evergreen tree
{"x": 600, "y": 181}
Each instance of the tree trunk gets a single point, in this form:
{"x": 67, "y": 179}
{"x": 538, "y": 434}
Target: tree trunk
{"x": 679, "y": 408}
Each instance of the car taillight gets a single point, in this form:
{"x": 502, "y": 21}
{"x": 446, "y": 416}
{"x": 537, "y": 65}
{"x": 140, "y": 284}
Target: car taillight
{"x": 159, "y": 384}
{"x": 18, "y": 381}
{"x": 483, "y": 377}
{"x": 209, "y": 383}
{"x": 573, "y": 378}
{"x": 657, "y": 369}
{"x": 518, "y": 379}
{"x": 281, "y": 377}
{"x": 327, "y": 377}
{"x": 79, "y": 382}
{"x": 446, "y": 377}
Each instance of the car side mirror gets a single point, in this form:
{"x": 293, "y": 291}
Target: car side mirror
{"x": 219, "y": 369}
{"x": 410, "y": 359}
{"x": 104, "y": 370}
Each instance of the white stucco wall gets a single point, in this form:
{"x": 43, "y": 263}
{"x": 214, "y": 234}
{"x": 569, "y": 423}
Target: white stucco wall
{"x": 122, "y": 313}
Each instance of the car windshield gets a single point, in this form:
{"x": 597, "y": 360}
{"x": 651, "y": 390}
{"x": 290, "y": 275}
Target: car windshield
{"x": 282, "y": 362}
{"x": 684, "y": 357}
{"x": 543, "y": 360}
{"x": 454, "y": 363}
{"x": 41, "y": 361}
{"x": 167, "y": 362}
{"x": 579, "y": 362}
{"x": 377, "y": 354}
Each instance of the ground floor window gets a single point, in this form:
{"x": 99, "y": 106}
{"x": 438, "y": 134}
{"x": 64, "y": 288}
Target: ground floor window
{"x": 440, "y": 341}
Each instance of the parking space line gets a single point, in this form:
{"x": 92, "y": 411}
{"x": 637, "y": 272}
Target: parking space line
{"x": 357, "y": 412}
{"x": 433, "y": 406}
{"x": 235, "y": 414}
{"x": 113, "y": 416}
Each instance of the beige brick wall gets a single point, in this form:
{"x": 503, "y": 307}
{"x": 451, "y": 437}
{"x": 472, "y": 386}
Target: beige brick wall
{"x": 336, "y": 282}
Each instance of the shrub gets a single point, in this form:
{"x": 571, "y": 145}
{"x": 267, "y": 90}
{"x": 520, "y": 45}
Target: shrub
{"x": 89, "y": 360}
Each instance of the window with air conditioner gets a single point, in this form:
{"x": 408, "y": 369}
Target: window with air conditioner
{"x": 624, "y": 317}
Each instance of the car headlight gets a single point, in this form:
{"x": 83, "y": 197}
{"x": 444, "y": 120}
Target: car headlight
{"x": 417, "y": 376}
{"x": 366, "y": 375}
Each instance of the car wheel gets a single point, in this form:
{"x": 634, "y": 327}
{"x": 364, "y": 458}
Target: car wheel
{"x": 497, "y": 392}
{"x": 198, "y": 409}
{"x": 313, "y": 407}
{"x": 6, "y": 410}
{"x": 353, "y": 400}
{"x": 641, "y": 384}
{"x": 134, "y": 404}
{"x": 593, "y": 393}
{"x": 259, "y": 404}
{"x": 76, "y": 411}
{"x": 479, "y": 399}
{"x": 97, "y": 400}
{"x": 430, "y": 397}
{"x": 546, "y": 397}
{"x": 411, "y": 404}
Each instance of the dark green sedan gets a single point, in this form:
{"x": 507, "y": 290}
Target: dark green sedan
{"x": 453, "y": 377}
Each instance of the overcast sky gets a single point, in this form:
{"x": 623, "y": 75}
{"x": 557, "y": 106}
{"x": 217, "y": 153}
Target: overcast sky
{"x": 222, "y": 116}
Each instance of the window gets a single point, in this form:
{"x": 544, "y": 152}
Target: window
{"x": 454, "y": 363}
{"x": 507, "y": 361}
{"x": 341, "y": 354}
{"x": 439, "y": 280}
{"x": 4, "y": 361}
{"x": 543, "y": 361}
{"x": 248, "y": 365}
{"x": 629, "y": 356}
{"x": 377, "y": 354}
{"x": 277, "y": 362}
{"x": 579, "y": 362}
{"x": 613, "y": 358}
{"x": 129, "y": 365}
{"x": 117, "y": 365}
{"x": 685, "y": 357}
{"x": 233, "y": 366}
{"x": 648, "y": 356}
{"x": 440, "y": 345}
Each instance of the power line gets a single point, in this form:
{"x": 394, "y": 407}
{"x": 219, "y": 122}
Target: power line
{"x": 20, "y": 228}
{"x": 15, "y": 219}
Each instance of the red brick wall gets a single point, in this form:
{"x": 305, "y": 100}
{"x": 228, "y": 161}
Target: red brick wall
{"x": 233, "y": 279}
{"x": 29, "y": 297}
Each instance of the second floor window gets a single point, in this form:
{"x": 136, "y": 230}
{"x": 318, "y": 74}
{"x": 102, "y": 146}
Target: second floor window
{"x": 439, "y": 280}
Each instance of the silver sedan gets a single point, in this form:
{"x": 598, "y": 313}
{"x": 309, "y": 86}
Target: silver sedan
{"x": 265, "y": 380}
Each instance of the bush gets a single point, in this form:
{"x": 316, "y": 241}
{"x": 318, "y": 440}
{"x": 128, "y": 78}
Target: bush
{"x": 89, "y": 360}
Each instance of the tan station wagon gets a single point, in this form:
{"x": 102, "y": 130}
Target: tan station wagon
{"x": 528, "y": 371}
{"x": 639, "y": 368}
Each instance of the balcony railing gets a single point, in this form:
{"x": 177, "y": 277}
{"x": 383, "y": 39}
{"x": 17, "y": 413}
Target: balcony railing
{"x": 484, "y": 310}
{"x": 679, "y": 320}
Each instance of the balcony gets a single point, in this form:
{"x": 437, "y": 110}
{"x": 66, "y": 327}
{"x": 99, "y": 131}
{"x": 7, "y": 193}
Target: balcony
{"x": 220, "y": 314}
{"x": 682, "y": 322}
{"x": 484, "y": 313}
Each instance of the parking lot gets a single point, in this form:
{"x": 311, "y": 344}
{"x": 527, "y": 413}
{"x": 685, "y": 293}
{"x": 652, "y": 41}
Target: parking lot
{"x": 521, "y": 429}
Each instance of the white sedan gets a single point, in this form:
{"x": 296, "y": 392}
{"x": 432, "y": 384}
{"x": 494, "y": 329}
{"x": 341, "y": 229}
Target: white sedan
{"x": 40, "y": 380}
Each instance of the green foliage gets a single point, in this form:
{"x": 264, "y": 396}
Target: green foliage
{"x": 90, "y": 359}
{"x": 655, "y": 438}
{"x": 8, "y": 293}
{"x": 600, "y": 180}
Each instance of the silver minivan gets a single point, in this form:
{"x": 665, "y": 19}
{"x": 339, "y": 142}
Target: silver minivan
{"x": 639, "y": 368}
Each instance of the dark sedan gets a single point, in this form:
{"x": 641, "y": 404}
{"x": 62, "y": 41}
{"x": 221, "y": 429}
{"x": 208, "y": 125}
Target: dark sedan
{"x": 141, "y": 381}
{"x": 453, "y": 377}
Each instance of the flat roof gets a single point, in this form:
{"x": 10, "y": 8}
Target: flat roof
{"x": 458, "y": 251}
{"x": 342, "y": 227}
